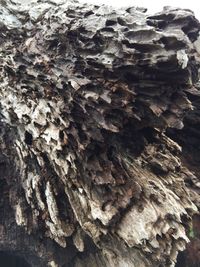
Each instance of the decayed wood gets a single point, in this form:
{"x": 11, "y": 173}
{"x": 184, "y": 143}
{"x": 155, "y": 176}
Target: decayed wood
{"x": 92, "y": 106}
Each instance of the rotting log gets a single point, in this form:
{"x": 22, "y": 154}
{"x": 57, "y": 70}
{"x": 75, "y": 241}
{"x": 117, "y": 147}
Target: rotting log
{"x": 93, "y": 169}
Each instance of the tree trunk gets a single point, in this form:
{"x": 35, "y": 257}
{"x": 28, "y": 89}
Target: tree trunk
{"x": 96, "y": 166}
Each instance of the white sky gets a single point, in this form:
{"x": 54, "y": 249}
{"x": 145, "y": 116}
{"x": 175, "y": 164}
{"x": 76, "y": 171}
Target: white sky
{"x": 152, "y": 5}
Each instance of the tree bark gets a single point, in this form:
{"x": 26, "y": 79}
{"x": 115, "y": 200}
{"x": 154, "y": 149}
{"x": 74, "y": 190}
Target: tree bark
{"x": 96, "y": 165}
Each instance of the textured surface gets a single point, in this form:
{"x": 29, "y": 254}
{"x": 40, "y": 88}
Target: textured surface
{"x": 87, "y": 94}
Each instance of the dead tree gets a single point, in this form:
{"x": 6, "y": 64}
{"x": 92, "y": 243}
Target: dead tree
{"x": 96, "y": 166}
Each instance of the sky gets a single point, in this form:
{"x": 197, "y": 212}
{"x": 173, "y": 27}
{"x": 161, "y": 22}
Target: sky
{"x": 152, "y": 5}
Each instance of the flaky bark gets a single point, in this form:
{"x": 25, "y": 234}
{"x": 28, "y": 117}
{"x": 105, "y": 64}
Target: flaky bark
{"x": 91, "y": 99}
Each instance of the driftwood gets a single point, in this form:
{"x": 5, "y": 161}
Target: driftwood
{"x": 96, "y": 166}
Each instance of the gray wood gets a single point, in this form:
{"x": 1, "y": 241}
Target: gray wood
{"x": 92, "y": 106}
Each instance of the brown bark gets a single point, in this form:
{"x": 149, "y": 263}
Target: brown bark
{"x": 95, "y": 167}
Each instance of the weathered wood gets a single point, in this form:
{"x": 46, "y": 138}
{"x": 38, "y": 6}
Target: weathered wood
{"x": 92, "y": 100}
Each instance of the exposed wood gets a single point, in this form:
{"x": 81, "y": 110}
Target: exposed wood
{"x": 92, "y": 168}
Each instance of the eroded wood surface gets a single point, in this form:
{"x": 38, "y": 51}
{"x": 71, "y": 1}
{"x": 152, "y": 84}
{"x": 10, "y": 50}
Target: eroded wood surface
{"x": 89, "y": 176}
